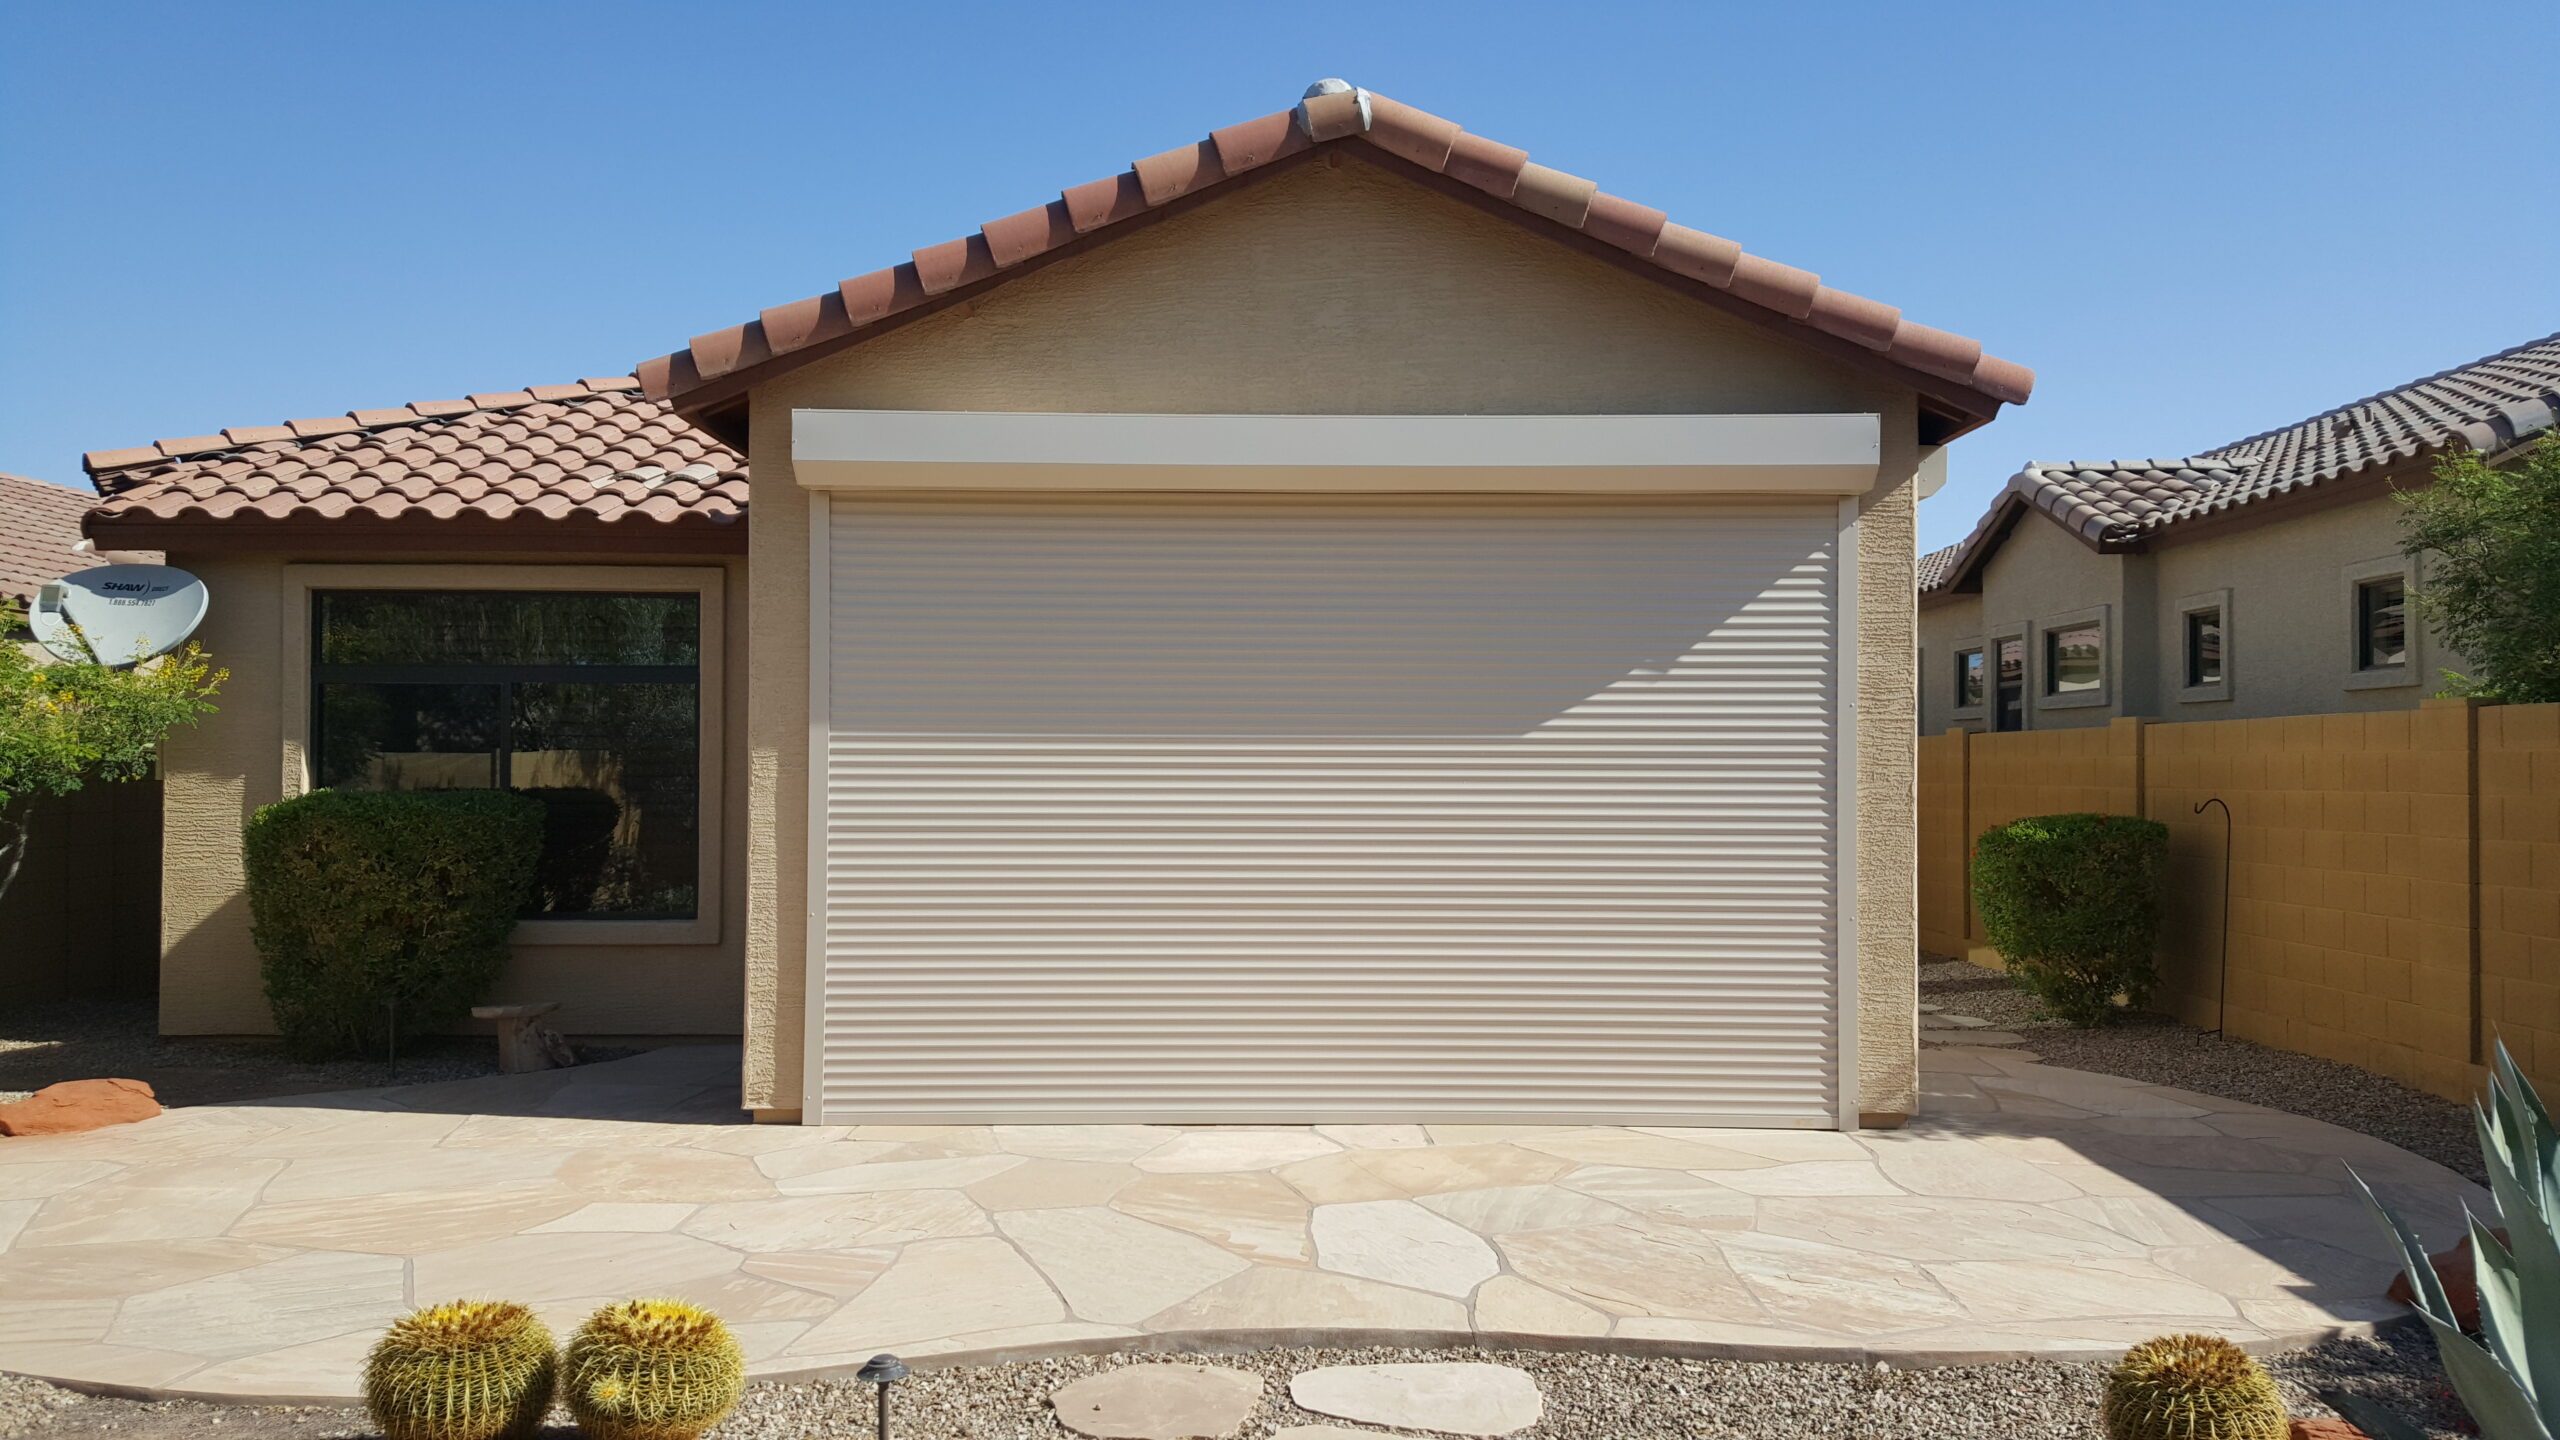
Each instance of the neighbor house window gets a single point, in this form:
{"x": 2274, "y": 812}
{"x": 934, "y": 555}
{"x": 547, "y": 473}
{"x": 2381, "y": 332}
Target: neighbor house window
{"x": 2204, "y": 646}
{"x": 1969, "y": 678}
{"x": 2074, "y": 659}
{"x": 2382, "y": 623}
{"x": 587, "y": 702}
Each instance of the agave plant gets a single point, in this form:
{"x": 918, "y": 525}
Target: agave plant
{"x": 2509, "y": 1378}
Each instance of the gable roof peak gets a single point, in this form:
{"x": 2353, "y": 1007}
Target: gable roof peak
{"x": 1962, "y": 386}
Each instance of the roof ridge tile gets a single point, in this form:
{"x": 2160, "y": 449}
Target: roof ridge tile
{"x": 96, "y": 462}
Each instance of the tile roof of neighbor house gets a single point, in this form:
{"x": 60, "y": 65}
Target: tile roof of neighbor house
{"x": 722, "y": 364}
{"x": 2489, "y": 405}
{"x": 40, "y": 535}
{"x": 593, "y": 458}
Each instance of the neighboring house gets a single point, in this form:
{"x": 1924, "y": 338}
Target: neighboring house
{"x": 81, "y": 919}
{"x": 2264, "y": 577}
{"x": 40, "y": 537}
{"x": 1334, "y": 622}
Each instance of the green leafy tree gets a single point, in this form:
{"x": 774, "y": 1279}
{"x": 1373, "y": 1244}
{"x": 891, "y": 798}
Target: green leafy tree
{"x": 2492, "y": 582}
{"x": 66, "y": 723}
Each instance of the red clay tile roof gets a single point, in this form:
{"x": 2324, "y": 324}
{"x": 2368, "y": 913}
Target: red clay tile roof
{"x": 594, "y": 460}
{"x": 720, "y": 365}
{"x": 2490, "y": 405}
{"x": 39, "y": 533}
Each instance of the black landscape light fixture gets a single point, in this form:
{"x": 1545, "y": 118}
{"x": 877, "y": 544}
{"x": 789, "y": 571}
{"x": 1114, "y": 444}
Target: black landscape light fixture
{"x": 883, "y": 1371}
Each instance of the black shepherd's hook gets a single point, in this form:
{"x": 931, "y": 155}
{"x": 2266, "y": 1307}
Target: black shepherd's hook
{"x": 2222, "y": 968}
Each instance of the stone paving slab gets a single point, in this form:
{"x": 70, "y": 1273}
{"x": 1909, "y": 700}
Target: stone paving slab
{"x": 1447, "y": 1397}
{"x": 1159, "y": 1402}
{"x": 253, "y": 1251}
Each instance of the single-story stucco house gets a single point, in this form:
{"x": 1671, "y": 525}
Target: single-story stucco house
{"x": 1335, "y": 622}
{"x": 2263, "y": 577}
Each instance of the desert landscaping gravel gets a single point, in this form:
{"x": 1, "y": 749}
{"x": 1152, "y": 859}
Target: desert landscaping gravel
{"x": 2159, "y": 1051}
{"x": 1588, "y": 1397}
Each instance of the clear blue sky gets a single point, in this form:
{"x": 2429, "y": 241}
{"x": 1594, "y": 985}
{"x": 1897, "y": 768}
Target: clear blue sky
{"x": 2193, "y": 221}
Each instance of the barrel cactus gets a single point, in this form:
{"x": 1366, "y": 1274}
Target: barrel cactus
{"x": 652, "y": 1370}
{"x": 2192, "y": 1387}
{"x": 467, "y": 1370}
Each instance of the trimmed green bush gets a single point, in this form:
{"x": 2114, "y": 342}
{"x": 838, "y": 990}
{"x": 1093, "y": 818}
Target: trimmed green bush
{"x": 380, "y": 909}
{"x": 2072, "y": 902}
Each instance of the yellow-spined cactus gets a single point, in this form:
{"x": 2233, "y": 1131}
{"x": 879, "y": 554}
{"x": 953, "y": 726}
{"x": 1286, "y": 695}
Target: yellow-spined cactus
{"x": 652, "y": 1370}
{"x": 467, "y": 1370}
{"x": 2192, "y": 1387}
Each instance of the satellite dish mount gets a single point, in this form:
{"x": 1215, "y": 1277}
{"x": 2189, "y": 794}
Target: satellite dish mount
{"x": 117, "y": 615}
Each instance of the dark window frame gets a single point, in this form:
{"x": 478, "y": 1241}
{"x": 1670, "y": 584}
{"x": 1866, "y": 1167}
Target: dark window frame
{"x": 506, "y": 677}
{"x": 2365, "y": 589}
{"x": 2193, "y": 653}
{"x": 2052, "y": 688}
{"x": 1973, "y": 682}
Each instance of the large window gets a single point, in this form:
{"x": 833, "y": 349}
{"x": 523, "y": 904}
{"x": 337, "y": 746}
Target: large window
{"x": 2382, "y": 623}
{"x": 2075, "y": 659}
{"x": 587, "y": 702}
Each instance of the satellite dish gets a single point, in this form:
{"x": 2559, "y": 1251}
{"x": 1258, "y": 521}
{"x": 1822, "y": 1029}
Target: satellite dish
{"x": 118, "y": 614}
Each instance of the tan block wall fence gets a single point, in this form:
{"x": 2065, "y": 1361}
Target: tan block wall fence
{"x": 2395, "y": 878}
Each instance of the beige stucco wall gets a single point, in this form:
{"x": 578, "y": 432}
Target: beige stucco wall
{"x": 214, "y": 775}
{"x": 1327, "y": 291}
{"x": 2290, "y": 634}
{"x": 2040, "y": 574}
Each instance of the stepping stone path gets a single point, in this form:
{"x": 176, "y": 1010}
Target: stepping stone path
{"x": 1453, "y": 1398}
{"x": 1159, "y": 1402}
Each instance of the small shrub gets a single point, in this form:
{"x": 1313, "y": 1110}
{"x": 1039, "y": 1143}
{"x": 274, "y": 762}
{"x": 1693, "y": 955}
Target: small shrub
{"x": 652, "y": 1370}
{"x": 2073, "y": 903}
{"x": 468, "y": 1370}
{"x": 2192, "y": 1387}
{"x": 365, "y": 905}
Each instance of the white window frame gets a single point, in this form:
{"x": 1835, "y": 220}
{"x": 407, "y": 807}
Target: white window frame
{"x": 2218, "y": 601}
{"x": 705, "y": 583}
{"x": 2351, "y": 582}
{"x": 1957, "y": 709}
{"x": 2040, "y": 682}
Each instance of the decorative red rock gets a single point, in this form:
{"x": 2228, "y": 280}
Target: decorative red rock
{"x": 2324, "y": 1429}
{"x": 76, "y": 1105}
{"x": 2453, "y": 1270}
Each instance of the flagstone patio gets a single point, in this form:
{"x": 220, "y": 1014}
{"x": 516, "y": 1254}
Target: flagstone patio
{"x": 254, "y": 1251}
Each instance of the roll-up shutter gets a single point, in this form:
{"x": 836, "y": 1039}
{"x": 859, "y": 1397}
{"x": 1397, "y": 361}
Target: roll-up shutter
{"x": 1245, "y": 809}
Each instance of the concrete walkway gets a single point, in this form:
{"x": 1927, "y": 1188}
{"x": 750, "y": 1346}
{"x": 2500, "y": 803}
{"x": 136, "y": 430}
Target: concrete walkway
{"x": 254, "y": 1251}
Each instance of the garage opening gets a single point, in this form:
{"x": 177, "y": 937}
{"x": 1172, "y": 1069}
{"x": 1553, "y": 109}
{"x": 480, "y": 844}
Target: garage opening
{"x": 1249, "y": 808}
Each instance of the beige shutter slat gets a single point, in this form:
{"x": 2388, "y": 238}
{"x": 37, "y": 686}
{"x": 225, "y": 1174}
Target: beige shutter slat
{"x": 1200, "y": 810}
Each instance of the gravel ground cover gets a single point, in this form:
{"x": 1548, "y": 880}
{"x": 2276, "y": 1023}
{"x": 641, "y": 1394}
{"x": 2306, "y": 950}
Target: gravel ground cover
{"x": 93, "y": 1039}
{"x": 1588, "y": 1397}
{"x": 2160, "y": 1051}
